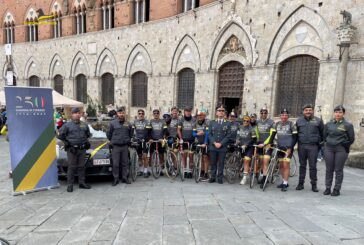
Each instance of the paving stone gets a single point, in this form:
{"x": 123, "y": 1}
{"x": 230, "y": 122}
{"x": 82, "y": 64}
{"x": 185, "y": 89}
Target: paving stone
{"x": 37, "y": 238}
{"x": 106, "y": 232}
{"x": 178, "y": 235}
{"x": 175, "y": 220}
{"x": 214, "y": 232}
{"x": 321, "y": 238}
{"x": 205, "y": 212}
{"x": 286, "y": 237}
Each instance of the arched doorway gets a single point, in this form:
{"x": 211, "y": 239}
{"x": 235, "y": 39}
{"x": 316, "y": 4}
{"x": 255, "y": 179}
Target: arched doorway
{"x": 186, "y": 88}
{"x": 139, "y": 89}
{"x": 58, "y": 83}
{"x": 107, "y": 89}
{"x": 297, "y": 83}
{"x": 231, "y": 86}
{"x": 34, "y": 81}
{"x": 81, "y": 88}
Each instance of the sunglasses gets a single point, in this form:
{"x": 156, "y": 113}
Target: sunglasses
{"x": 221, "y": 110}
{"x": 155, "y": 113}
{"x": 141, "y": 113}
{"x": 246, "y": 121}
{"x": 264, "y": 113}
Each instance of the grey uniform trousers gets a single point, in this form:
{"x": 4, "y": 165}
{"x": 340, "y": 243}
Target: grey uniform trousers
{"x": 335, "y": 158}
{"x": 307, "y": 152}
{"x": 76, "y": 161}
{"x": 120, "y": 157}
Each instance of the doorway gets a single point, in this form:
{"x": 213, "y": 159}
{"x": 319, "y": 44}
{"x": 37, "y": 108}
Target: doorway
{"x": 231, "y": 104}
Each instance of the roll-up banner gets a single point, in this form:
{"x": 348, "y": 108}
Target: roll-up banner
{"x": 31, "y": 132}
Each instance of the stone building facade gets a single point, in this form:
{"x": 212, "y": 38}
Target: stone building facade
{"x": 245, "y": 54}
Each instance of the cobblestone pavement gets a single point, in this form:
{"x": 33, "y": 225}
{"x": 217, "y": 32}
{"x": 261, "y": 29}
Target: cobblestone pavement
{"x": 164, "y": 212}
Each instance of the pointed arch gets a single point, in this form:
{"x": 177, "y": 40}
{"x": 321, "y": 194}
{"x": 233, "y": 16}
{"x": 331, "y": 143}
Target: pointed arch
{"x": 79, "y": 65}
{"x": 106, "y": 63}
{"x": 186, "y": 55}
{"x": 138, "y": 60}
{"x": 56, "y": 67}
{"x": 306, "y": 15}
{"x": 15, "y": 69}
{"x": 56, "y": 8}
{"x": 8, "y": 17}
{"x": 31, "y": 14}
{"x": 242, "y": 32}
{"x": 30, "y": 68}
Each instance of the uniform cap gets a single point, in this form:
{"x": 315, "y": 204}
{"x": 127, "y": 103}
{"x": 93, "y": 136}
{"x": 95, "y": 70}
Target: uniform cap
{"x": 284, "y": 111}
{"x": 220, "y": 108}
{"x": 75, "y": 110}
{"x": 120, "y": 109}
{"x": 156, "y": 109}
{"x": 307, "y": 106}
{"x": 253, "y": 115}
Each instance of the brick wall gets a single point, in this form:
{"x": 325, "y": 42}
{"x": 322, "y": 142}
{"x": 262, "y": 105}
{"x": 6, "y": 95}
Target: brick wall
{"x": 163, "y": 8}
{"x": 124, "y": 14}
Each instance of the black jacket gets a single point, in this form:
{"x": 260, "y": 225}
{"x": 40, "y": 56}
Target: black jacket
{"x": 219, "y": 133}
{"x": 310, "y": 131}
{"x": 119, "y": 133}
{"x": 339, "y": 133}
{"x": 74, "y": 133}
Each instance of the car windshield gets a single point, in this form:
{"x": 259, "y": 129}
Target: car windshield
{"x": 97, "y": 134}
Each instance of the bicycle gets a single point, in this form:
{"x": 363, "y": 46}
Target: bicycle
{"x": 273, "y": 167}
{"x": 234, "y": 163}
{"x": 170, "y": 163}
{"x": 134, "y": 158}
{"x": 181, "y": 169}
{"x": 197, "y": 160}
{"x": 155, "y": 164}
{"x": 254, "y": 165}
{"x": 292, "y": 166}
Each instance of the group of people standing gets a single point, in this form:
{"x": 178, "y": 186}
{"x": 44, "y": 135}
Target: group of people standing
{"x": 308, "y": 131}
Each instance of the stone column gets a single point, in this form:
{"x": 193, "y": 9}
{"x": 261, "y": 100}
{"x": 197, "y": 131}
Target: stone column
{"x": 59, "y": 27}
{"x": 77, "y": 23}
{"x": 345, "y": 35}
{"x": 34, "y": 33}
{"x": 55, "y": 28}
{"x": 143, "y": 17}
{"x": 137, "y": 11}
{"x": 110, "y": 9}
{"x": 185, "y": 6}
{"x": 104, "y": 17}
{"x": 82, "y": 23}
{"x": 193, "y": 4}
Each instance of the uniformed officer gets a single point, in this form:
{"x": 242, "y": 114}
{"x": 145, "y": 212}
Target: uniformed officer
{"x": 185, "y": 134}
{"x": 286, "y": 140}
{"x": 141, "y": 130}
{"x": 265, "y": 131}
{"x": 219, "y": 136}
{"x": 75, "y": 136}
{"x": 234, "y": 126}
{"x": 246, "y": 137}
{"x": 120, "y": 133}
{"x": 310, "y": 135}
{"x": 339, "y": 136}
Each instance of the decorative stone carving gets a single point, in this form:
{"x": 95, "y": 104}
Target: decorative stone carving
{"x": 345, "y": 31}
{"x": 90, "y": 4}
{"x": 233, "y": 45}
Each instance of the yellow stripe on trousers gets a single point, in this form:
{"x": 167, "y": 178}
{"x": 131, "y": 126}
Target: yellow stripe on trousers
{"x": 32, "y": 178}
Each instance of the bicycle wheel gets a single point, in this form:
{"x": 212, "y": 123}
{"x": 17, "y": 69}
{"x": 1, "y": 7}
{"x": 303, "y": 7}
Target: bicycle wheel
{"x": 270, "y": 171}
{"x": 230, "y": 170}
{"x": 252, "y": 167}
{"x": 180, "y": 166}
{"x": 133, "y": 164}
{"x": 170, "y": 165}
{"x": 292, "y": 166}
{"x": 197, "y": 168}
{"x": 156, "y": 169}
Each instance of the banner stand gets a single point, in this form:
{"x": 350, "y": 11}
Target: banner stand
{"x": 32, "y": 139}
{"x": 36, "y": 190}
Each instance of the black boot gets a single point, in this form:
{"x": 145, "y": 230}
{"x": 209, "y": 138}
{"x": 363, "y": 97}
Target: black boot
{"x": 327, "y": 191}
{"x": 300, "y": 186}
{"x": 70, "y": 188}
{"x": 212, "y": 180}
{"x": 84, "y": 186}
{"x": 126, "y": 181}
{"x": 335, "y": 193}
{"x": 263, "y": 181}
{"x": 314, "y": 188}
{"x": 116, "y": 181}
